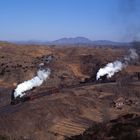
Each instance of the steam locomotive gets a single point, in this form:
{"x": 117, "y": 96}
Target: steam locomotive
{"x": 16, "y": 100}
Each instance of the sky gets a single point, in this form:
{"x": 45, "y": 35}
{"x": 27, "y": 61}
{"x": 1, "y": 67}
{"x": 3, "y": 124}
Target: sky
{"x": 116, "y": 20}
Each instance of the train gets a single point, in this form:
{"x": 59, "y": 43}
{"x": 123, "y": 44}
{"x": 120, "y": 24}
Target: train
{"x": 53, "y": 90}
{"x": 18, "y": 99}
{"x": 28, "y": 96}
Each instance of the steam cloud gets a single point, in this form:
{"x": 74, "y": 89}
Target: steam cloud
{"x": 111, "y": 68}
{"x": 129, "y": 13}
{"x": 36, "y": 81}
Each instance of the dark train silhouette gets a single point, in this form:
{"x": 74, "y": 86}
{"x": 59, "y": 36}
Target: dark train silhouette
{"x": 18, "y": 99}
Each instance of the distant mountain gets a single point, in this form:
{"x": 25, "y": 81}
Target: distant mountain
{"x": 38, "y": 42}
{"x": 84, "y": 40}
{"x": 108, "y": 42}
{"x": 76, "y": 40}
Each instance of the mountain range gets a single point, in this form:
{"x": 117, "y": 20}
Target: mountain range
{"x": 72, "y": 41}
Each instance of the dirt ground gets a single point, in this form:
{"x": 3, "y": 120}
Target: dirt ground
{"x": 70, "y": 101}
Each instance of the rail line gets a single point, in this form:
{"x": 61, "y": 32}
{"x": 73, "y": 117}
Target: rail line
{"x": 61, "y": 89}
{"x": 9, "y": 109}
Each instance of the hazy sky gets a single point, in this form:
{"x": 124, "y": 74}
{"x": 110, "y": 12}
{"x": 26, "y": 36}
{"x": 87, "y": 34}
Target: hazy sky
{"x": 117, "y": 20}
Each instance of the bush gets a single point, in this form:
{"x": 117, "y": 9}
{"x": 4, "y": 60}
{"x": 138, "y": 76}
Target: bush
{"x": 4, "y": 137}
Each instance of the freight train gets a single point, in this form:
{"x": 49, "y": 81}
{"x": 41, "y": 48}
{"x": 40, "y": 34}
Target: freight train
{"x": 49, "y": 91}
{"x": 27, "y": 97}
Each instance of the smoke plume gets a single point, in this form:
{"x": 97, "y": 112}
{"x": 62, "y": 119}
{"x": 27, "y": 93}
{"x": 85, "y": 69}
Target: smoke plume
{"x": 111, "y": 68}
{"x": 129, "y": 13}
{"x": 36, "y": 81}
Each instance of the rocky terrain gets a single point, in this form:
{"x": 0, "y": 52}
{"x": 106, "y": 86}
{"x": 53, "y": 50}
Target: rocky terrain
{"x": 71, "y": 104}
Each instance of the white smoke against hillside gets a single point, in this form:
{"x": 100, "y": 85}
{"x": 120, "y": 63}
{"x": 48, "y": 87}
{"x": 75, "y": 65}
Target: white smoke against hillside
{"x": 36, "y": 81}
{"x": 111, "y": 68}
{"x": 132, "y": 56}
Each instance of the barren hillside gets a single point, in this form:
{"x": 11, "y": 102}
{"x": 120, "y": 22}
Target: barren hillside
{"x": 71, "y": 100}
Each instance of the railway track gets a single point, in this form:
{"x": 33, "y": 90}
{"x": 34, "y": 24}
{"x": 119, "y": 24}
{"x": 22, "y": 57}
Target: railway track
{"x": 61, "y": 89}
{"x": 13, "y": 107}
{"x": 33, "y": 95}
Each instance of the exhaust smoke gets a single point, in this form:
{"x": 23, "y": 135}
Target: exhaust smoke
{"x": 36, "y": 81}
{"x": 111, "y": 68}
{"x": 127, "y": 15}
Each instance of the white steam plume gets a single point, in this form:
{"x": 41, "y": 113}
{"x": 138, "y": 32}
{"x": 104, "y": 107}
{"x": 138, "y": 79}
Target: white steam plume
{"x": 132, "y": 56}
{"x": 111, "y": 68}
{"x": 36, "y": 81}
